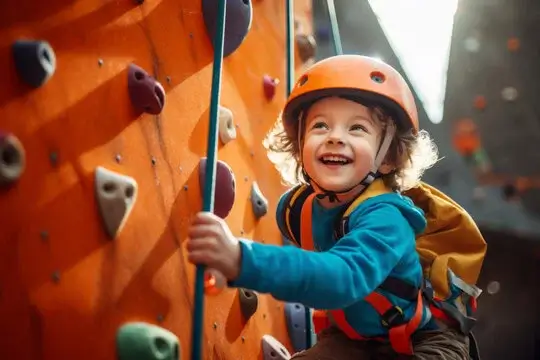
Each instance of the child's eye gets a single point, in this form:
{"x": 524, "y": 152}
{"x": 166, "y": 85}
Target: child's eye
{"x": 358, "y": 127}
{"x": 320, "y": 125}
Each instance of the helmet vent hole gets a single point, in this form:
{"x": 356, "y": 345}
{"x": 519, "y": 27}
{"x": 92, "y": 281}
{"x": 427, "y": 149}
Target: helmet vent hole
{"x": 302, "y": 80}
{"x": 378, "y": 77}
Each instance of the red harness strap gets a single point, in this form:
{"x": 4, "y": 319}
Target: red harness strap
{"x": 399, "y": 336}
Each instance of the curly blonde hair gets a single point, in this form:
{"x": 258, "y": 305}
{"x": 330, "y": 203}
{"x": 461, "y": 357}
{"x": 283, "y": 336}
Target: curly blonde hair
{"x": 411, "y": 154}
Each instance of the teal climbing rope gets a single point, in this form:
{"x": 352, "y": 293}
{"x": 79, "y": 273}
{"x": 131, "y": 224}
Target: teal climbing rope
{"x": 210, "y": 180}
{"x": 336, "y": 38}
{"x": 289, "y": 20}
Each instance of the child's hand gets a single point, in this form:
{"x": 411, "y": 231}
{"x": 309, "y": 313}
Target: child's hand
{"x": 211, "y": 243}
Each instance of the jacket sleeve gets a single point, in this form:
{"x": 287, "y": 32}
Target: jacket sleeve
{"x": 347, "y": 273}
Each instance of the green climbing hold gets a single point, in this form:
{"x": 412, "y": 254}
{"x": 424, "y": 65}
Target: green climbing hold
{"x": 143, "y": 341}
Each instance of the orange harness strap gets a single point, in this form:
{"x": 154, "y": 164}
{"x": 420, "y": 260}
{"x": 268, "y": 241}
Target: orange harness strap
{"x": 399, "y": 336}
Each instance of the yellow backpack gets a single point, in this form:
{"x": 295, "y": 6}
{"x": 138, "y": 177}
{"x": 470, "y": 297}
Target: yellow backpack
{"x": 451, "y": 248}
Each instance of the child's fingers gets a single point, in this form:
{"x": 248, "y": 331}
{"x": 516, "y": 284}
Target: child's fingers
{"x": 205, "y": 217}
{"x": 203, "y": 243}
{"x": 204, "y": 230}
{"x": 199, "y": 257}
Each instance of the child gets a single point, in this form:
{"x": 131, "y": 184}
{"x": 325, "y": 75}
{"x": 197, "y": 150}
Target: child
{"x": 350, "y": 125}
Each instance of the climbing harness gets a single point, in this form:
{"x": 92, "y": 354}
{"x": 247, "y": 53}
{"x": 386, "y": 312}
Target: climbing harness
{"x": 454, "y": 307}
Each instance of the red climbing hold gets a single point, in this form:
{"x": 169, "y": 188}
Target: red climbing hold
{"x": 513, "y": 44}
{"x": 225, "y": 187}
{"x": 480, "y": 102}
{"x": 146, "y": 93}
{"x": 269, "y": 86}
{"x": 466, "y": 139}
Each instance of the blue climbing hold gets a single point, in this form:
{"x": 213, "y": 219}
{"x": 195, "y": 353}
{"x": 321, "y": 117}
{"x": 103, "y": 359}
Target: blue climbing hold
{"x": 295, "y": 314}
{"x": 238, "y": 18}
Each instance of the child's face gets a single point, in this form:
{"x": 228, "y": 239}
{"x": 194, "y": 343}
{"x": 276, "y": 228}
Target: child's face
{"x": 341, "y": 140}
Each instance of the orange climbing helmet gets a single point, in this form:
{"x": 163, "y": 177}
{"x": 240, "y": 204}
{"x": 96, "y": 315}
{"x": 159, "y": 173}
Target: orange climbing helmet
{"x": 367, "y": 79}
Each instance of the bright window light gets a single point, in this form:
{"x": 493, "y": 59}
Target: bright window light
{"x": 419, "y": 32}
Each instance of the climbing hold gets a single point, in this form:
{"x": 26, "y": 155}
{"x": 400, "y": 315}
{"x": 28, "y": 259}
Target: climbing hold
{"x": 238, "y": 18}
{"x": 306, "y": 46}
{"x": 465, "y": 137}
{"x": 480, "y": 102}
{"x": 12, "y": 159}
{"x": 509, "y": 93}
{"x": 145, "y": 92}
{"x": 273, "y": 349}
{"x": 510, "y": 192}
{"x": 225, "y": 187}
{"x": 322, "y": 32}
{"x": 269, "y": 86}
{"x": 116, "y": 195}
{"x": 214, "y": 282}
{"x": 35, "y": 61}
{"x": 493, "y": 287}
{"x": 295, "y": 314}
{"x": 472, "y": 44}
{"x": 513, "y": 44}
{"x": 479, "y": 193}
{"x": 143, "y": 341}
{"x": 258, "y": 201}
{"x": 249, "y": 302}
{"x": 227, "y": 131}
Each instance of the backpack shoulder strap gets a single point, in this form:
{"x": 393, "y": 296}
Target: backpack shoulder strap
{"x": 290, "y": 216}
{"x": 375, "y": 189}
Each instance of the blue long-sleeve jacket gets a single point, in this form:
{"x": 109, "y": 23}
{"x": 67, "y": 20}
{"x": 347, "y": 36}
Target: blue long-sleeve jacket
{"x": 380, "y": 243}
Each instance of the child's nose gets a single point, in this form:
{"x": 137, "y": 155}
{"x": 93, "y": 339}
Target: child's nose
{"x": 335, "y": 137}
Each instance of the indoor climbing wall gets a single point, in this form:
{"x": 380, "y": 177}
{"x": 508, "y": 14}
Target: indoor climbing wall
{"x": 103, "y": 130}
{"x": 490, "y": 123}
{"x": 492, "y": 113}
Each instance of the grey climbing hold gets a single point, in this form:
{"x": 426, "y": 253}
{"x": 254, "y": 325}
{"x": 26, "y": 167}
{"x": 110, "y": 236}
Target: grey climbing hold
{"x": 239, "y": 14}
{"x": 145, "y": 92}
{"x": 35, "y": 61}
{"x": 225, "y": 187}
{"x": 249, "y": 302}
{"x": 143, "y": 341}
{"x": 273, "y": 349}
{"x": 306, "y": 46}
{"x": 12, "y": 159}
{"x": 258, "y": 201}
{"x": 116, "y": 195}
{"x": 295, "y": 316}
{"x": 227, "y": 130}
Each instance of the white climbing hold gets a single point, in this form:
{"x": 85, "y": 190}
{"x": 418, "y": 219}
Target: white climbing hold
{"x": 273, "y": 349}
{"x": 116, "y": 195}
{"x": 472, "y": 44}
{"x": 227, "y": 130}
{"x": 509, "y": 93}
{"x": 493, "y": 287}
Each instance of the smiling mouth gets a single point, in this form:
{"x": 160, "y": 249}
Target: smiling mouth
{"x": 335, "y": 160}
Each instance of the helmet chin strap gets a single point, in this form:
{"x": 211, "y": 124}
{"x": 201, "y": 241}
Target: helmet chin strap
{"x": 389, "y": 132}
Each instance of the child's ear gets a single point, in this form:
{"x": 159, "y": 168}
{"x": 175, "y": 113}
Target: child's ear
{"x": 386, "y": 168}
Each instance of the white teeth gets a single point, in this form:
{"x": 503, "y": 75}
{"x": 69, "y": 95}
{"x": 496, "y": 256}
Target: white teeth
{"x": 334, "y": 159}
